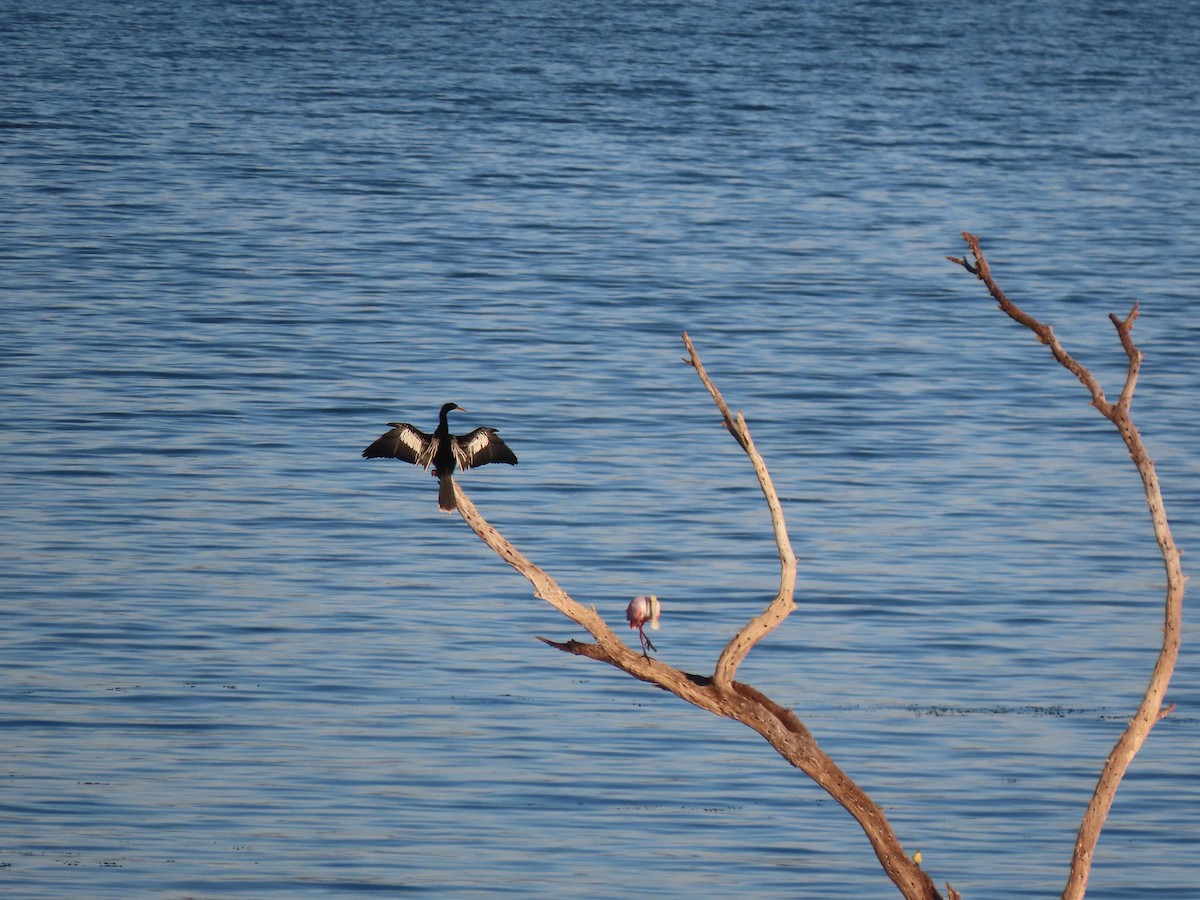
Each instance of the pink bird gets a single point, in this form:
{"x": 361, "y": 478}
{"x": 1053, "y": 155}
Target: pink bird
{"x": 640, "y": 611}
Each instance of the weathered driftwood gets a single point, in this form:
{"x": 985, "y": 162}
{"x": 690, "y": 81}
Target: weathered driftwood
{"x": 720, "y": 693}
{"x": 783, "y": 730}
{"x": 1151, "y": 708}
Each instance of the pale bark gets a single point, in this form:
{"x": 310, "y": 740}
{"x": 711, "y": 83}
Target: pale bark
{"x": 783, "y": 730}
{"x": 720, "y": 693}
{"x": 1151, "y": 708}
{"x": 783, "y": 604}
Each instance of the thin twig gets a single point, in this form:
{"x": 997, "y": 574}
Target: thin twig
{"x": 1044, "y": 333}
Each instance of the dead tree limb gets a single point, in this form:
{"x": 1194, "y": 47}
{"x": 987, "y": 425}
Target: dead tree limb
{"x": 783, "y": 604}
{"x": 720, "y": 693}
{"x": 1151, "y": 708}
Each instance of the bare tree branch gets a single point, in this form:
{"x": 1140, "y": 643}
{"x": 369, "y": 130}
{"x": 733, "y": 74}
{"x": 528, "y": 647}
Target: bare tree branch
{"x": 720, "y": 694}
{"x": 1151, "y": 709}
{"x": 783, "y": 604}
{"x": 723, "y": 696}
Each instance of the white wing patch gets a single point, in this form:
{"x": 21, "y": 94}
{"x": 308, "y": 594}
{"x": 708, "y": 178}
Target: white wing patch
{"x": 469, "y": 446}
{"x": 480, "y": 447}
{"x": 421, "y": 445}
{"x": 404, "y": 442}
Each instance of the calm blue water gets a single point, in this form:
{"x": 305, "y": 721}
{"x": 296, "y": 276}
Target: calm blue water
{"x": 238, "y": 238}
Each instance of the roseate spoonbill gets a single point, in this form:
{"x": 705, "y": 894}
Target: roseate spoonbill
{"x": 640, "y": 611}
{"x": 443, "y": 450}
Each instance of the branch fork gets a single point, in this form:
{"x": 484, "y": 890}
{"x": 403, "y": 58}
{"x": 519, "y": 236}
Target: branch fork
{"x": 1151, "y": 709}
{"x": 783, "y": 730}
{"x": 720, "y": 693}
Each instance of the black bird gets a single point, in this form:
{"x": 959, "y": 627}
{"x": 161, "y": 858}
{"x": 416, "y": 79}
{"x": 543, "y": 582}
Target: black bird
{"x": 443, "y": 450}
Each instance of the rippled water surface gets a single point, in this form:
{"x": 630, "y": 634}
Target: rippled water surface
{"x": 237, "y": 239}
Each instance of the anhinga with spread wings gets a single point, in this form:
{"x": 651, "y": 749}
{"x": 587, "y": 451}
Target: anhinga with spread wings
{"x": 443, "y": 450}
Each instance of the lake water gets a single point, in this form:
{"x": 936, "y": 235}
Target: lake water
{"x": 239, "y": 238}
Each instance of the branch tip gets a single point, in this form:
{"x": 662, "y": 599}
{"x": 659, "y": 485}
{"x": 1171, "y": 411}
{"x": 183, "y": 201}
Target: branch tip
{"x": 960, "y": 261}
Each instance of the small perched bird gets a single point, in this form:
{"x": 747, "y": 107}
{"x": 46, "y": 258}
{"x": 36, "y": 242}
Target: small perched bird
{"x": 443, "y": 450}
{"x": 640, "y": 611}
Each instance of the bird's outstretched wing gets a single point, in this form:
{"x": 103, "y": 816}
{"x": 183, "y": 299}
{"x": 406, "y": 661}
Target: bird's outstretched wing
{"x": 480, "y": 447}
{"x": 404, "y": 442}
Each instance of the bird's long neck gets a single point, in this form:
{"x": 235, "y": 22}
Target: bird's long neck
{"x": 443, "y": 455}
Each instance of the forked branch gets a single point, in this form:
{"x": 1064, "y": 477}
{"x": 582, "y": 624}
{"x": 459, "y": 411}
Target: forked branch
{"x": 783, "y": 604}
{"x": 1151, "y": 708}
{"x": 721, "y": 694}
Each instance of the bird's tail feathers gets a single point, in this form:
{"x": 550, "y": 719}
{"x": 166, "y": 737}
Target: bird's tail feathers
{"x": 446, "y": 501}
